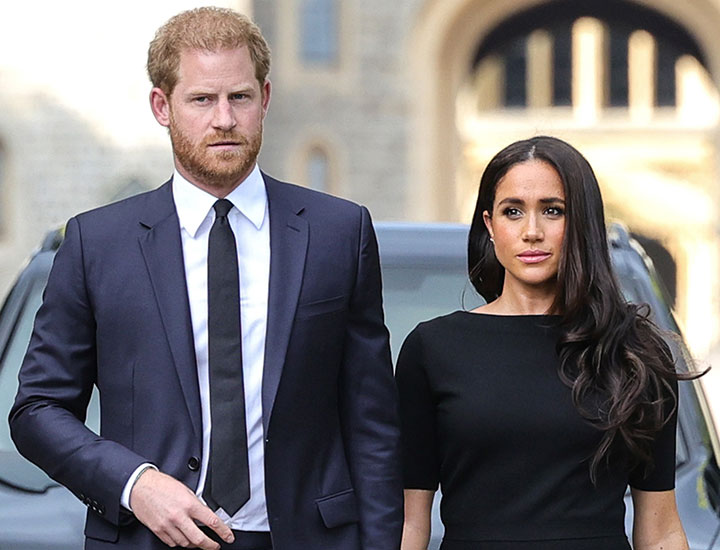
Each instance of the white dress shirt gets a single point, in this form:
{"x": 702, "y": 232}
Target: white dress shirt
{"x": 249, "y": 220}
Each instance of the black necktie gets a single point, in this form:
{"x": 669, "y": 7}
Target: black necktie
{"x": 228, "y": 481}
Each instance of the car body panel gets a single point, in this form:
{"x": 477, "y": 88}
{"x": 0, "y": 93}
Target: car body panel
{"x": 424, "y": 275}
{"x": 422, "y": 259}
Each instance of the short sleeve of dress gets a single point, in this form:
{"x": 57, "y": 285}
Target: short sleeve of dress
{"x": 661, "y": 477}
{"x": 417, "y": 417}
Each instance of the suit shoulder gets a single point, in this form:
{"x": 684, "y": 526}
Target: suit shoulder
{"x": 122, "y": 219}
{"x": 298, "y": 194}
{"x": 130, "y": 205}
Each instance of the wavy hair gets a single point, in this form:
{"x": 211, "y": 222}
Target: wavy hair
{"x": 209, "y": 29}
{"x": 613, "y": 357}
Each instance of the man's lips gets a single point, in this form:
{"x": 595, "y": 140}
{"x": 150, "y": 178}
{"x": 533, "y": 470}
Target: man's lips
{"x": 225, "y": 144}
{"x": 533, "y": 256}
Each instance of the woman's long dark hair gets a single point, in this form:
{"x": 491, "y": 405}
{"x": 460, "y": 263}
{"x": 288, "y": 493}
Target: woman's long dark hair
{"x": 614, "y": 358}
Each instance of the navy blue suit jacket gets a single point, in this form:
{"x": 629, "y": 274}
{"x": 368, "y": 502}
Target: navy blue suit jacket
{"x": 115, "y": 315}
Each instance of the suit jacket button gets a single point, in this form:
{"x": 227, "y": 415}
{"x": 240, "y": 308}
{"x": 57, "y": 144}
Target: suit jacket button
{"x": 193, "y": 464}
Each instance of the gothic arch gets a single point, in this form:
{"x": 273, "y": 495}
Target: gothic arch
{"x": 666, "y": 177}
{"x": 322, "y": 145}
{"x": 441, "y": 48}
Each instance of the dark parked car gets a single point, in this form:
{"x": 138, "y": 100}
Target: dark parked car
{"x": 424, "y": 276}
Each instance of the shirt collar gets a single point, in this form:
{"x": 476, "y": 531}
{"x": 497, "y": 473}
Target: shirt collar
{"x": 193, "y": 204}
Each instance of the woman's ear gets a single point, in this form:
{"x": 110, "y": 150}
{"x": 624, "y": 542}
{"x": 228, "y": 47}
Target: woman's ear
{"x": 487, "y": 218}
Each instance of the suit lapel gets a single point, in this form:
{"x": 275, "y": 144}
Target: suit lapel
{"x": 288, "y": 248}
{"x": 162, "y": 249}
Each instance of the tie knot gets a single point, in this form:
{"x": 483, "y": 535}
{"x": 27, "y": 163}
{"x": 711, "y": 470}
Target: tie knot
{"x": 222, "y": 207}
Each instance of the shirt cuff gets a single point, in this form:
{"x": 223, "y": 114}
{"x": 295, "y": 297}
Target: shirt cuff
{"x": 125, "y": 497}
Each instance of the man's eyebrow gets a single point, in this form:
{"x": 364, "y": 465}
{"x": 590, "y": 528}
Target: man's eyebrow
{"x": 199, "y": 91}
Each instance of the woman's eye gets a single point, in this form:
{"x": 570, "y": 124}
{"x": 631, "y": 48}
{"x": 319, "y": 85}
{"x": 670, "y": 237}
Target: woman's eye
{"x": 555, "y": 211}
{"x": 512, "y": 212}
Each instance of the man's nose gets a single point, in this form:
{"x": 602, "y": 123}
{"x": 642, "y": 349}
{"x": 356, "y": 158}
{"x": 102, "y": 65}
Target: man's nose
{"x": 224, "y": 116}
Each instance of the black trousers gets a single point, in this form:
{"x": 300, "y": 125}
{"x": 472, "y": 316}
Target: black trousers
{"x": 244, "y": 540}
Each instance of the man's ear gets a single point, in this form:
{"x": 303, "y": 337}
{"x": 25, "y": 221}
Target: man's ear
{"x": 266, "y": 89}
{"x": 160, "y": 105}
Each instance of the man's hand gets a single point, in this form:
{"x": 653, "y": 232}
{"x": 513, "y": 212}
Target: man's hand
{"x": 169, "y": 509}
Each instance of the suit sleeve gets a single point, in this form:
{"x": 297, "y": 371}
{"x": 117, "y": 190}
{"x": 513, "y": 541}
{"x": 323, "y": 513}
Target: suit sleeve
{"x": 55, "y": 384}
{"x": 370, "y": 411}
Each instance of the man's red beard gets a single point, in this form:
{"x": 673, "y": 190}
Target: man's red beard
{"x": 216, "y": 169}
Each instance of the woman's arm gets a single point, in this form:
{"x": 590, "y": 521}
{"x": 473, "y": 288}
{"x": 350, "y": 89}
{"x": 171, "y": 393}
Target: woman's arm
{"x": 416, "y": 530}
{"x": 656, "y": 524}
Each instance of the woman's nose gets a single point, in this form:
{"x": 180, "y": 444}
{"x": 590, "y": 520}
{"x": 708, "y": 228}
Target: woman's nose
{"x": 533, "y": 229}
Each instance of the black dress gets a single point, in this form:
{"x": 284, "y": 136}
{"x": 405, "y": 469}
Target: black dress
{"x": 486, "y": 416}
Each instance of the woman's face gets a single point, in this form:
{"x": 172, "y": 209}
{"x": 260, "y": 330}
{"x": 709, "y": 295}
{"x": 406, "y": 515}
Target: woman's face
{"x": 527, "y": 224}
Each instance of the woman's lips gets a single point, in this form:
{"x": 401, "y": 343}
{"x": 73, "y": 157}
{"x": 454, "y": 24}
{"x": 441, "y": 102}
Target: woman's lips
{"x": 533, "y": 256}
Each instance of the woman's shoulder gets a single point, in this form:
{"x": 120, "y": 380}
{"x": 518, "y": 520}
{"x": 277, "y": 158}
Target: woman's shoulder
{"x": 454, "y": 324}
{"x": 485, "y": 318}
{"x": 433, "y": 329}
{"x": 484, "y": 329}
{"x": 488, "y": 320}
{"x": 441, "y": 323}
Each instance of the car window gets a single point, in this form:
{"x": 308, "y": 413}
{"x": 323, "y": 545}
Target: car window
{"x": 14, "y": 352}
{"x": 418, "y": 293}
{"x": 640, "y": 284}
{"x": 18, "y": 318}
{"x": 414, "y": 293}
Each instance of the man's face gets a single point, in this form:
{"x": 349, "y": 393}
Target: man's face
{"x": 215, "y": 117}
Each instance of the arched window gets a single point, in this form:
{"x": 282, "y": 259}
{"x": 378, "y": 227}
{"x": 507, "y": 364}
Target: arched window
{"x": 619, "y": 55}
{"x": 318, "y": 170}
{"x": 667, "y": 56}
{"x": 562, "y": 63}
{"x": 319, "y": 31}
{"x": 516, "y": 64}
{"x": 605, "y": 43}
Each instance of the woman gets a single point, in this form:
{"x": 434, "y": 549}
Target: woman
{"x": 535, "y": 411}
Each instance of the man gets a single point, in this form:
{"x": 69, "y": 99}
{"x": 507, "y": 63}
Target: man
{"x": 222, "y": 287}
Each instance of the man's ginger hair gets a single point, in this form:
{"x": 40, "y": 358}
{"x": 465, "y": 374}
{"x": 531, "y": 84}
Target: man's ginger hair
{"x": 210, "y": 29}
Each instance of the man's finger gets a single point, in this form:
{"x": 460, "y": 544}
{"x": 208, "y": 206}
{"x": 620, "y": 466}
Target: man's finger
{"x": 198, "y": 539}
{"x": 204, "y": 515}
{"x": 178, "y": 538}
{"x": 168, "y": 537}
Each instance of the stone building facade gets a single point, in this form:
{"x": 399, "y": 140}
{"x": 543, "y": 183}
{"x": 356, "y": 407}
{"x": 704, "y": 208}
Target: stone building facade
{"x": 414, "y": 98}
{"x": 397, "y": 105}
